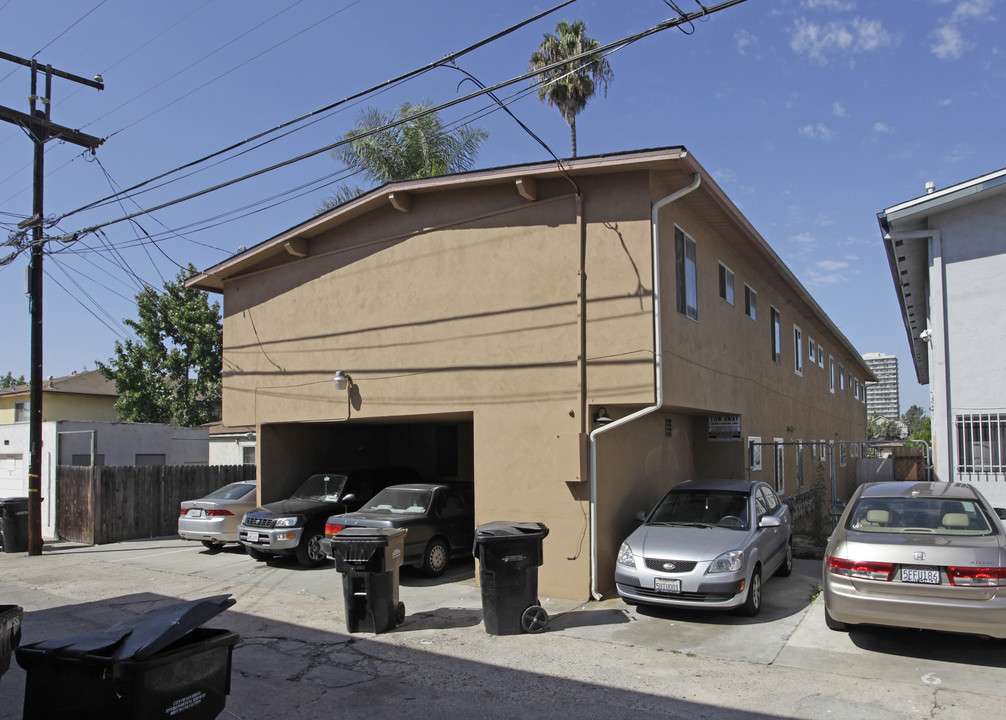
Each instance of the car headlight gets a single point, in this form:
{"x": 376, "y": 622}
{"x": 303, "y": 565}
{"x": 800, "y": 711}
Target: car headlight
{"x": 287, "y": 522}
{"x": 727, "y": 562}
{"x": 625, "y": 556}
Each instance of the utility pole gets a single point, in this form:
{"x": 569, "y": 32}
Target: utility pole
{"x": 40, "y": 128}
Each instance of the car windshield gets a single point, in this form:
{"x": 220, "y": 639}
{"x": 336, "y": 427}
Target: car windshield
{"x": 325, "y": 486}
{"x": 399, "y": 501}
{"x": 703, "y": 508}
{"x": 234, "y": 491}
{"x": 925, "y": 515}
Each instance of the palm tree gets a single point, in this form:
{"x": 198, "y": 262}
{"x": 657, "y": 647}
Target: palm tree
{"x": 416, "y": 145}
{"x": 569, "y": 86}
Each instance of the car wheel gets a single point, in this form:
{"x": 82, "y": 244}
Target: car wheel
{"x": 309, "y": 552}
{"x": 834, "y": 624}
{"x": 752, "y": 603}
{"x": 786, "y": 569}
{"x": 436, "y": 557}
{"x": 213, "y": 547}
{"x": 256, "y": 554}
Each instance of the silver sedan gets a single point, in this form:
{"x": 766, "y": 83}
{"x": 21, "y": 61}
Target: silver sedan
{"x": 917, "y": 555}
{"x": 213, "y": 520}
{"x": 707, "y": 544}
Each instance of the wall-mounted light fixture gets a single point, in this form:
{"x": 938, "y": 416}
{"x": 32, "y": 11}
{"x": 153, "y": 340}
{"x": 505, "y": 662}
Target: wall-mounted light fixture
{"x": 342, "y": 381}
{"x": 601, "y": 416}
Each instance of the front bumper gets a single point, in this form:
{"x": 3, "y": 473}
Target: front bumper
{"x": 980, "y": 611}
{"x": 717, "y": 591}
{"x": 278, "y": 541}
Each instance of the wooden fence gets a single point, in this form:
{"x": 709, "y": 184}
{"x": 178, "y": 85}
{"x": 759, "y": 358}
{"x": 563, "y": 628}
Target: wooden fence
{"x": 98, "y": 505}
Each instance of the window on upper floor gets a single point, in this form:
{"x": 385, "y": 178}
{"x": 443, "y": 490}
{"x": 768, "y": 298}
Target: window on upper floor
{"x": 22, "y": 411}
{"x": 726, "y": 283}
{"x": 750, "y": 302}
{"x": 686, "y": 271}
{"x": 841, "y": 378}
{"x": 831, "y": 373}
{"x": 820, "y": 356}
{"x": 776, "y": 330}
{"x": 811, "y": 350}
{"x": 797, "y": 351}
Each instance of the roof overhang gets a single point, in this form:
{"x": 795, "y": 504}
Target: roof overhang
{"x": 908, "y": 231}
{"x": 398, "y": 194}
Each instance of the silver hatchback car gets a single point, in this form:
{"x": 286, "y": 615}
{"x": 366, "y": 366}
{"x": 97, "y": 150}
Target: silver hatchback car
{"x": 917, "y": 555}
{"x": 707, "y": 544}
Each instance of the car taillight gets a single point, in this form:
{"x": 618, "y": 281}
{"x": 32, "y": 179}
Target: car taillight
{"x": 332, "y": 529}
{"x": 860, "y": 569}
{"x": 217, "y": 513}
{"x": 977, "y": 576}
{"x": 182, "y": 513}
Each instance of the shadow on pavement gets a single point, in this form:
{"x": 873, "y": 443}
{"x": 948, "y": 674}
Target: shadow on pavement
{"x": 281, "y": 669}
{"x": 931, "y": 645}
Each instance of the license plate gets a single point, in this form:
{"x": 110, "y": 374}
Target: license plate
{"x": 667, "y": 585}
{"x": 195, "y": 512}
{"x": 925, "y": 576}
{"x": 253, "y": 537}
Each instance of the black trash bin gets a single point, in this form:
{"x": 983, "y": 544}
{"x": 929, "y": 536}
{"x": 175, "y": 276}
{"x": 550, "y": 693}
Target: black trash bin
{"x": 369, "y": 560}
{"x": 157, "y": 665}
{"x": 10, "y": 634}
{"x": 14, "y": 524}
{"x": 509, "y": 554}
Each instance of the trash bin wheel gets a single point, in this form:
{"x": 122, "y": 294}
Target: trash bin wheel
{"x": 400, "y": 613}
{"x": 534, "y": 619}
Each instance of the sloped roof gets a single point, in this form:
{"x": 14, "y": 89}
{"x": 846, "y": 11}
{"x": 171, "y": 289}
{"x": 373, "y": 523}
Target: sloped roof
{"x": 89, "y": 382}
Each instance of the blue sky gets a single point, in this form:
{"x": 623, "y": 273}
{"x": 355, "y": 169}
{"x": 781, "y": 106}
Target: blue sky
{"x": 813, "y": 115}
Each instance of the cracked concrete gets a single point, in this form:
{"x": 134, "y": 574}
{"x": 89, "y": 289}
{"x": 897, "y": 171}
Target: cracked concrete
{"x": 599, "y": 659}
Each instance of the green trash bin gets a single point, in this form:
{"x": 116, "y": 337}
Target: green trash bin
{"x": 157, "y": 665}
{"x": 509, "y": 554}
{"x": 369, "y": 560}
{"x": 14, "y": 524}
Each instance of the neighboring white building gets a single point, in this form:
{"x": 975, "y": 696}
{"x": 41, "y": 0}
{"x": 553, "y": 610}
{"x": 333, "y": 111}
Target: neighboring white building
{"x": 883, "y": 398}
{"x": 947, "y": 252}
{"x": 69, "y": 442}
{"x": 231, "y": 445}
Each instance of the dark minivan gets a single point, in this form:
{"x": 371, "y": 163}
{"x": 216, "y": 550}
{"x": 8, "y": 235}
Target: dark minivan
{"x": 296, "y": 526}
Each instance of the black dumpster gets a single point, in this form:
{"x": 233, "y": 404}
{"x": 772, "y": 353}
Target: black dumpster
{"x": 10, "y": 634}
{"x": 509, "y": 554}
{"x": 369, "y": 560}
{"x": 156, "y": 665}
{"x": 14, "y": 524}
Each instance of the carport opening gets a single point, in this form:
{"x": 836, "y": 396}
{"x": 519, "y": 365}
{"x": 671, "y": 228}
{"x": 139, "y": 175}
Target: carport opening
{"x": 439, "y": 449}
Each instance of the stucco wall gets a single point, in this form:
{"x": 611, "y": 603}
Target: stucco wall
{"x": 466, "y": 309}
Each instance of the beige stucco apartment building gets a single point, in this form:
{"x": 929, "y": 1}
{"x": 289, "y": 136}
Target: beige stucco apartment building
{"x": 487, "y": 320}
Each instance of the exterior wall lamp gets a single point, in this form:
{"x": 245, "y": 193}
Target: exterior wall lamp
{"x": 342, "y": 381}
{"x": 601, "y": 416}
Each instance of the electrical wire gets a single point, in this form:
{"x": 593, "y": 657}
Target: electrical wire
{"x": 369, "y": 91}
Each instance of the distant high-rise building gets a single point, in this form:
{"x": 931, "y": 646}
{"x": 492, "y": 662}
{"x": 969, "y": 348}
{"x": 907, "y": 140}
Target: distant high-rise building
{"x": 883, "y": 398}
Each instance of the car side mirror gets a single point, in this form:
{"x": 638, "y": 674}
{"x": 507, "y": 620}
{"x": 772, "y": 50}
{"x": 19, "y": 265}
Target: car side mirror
{"x": 641, "y": 515}
{"x": 1001, "y": 512}
{"x": 349, "y": 498}
{"x": 769, "y": 521}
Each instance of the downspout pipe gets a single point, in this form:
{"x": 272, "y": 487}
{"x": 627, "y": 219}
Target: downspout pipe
{"x": 658, "y": 373}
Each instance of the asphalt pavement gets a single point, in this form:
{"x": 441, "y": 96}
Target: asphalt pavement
{"x": 605, "y": 659}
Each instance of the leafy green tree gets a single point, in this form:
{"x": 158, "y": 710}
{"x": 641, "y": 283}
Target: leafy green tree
{"x": 171, "y": 372}
{"x": 923, "y": 431}
{"x": 9, "y": 381}
{"x": 417, "y": 146}
{"x": 913, "y": 417}
{"x": 571, "y": 85}
{"x": 880, "y": 428}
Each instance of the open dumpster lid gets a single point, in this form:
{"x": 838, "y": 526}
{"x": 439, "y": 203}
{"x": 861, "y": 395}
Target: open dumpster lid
{"x": 144, "y": 635}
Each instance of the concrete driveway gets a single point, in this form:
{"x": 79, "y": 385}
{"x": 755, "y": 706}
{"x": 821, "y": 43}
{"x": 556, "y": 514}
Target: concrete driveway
{"x": 597, "y": 659}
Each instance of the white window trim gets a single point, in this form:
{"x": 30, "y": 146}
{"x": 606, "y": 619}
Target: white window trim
{"x": 754, "y": 452}
{"x": 811, "y": 350}
{"x": 779, "y": 466}
{"x": 751, "y": 308}
{"x": 820, "y": 355}
{"x": 831, "y": 374}
{"x": 841, "y": 377}
{"x": 726, "y": 288}
{"x": 797, "y": 350}
{"x": 775, "y": 330}
{"x": 799, "y": 464}
{"x": 691, "y": 312}
{"x": 823, "y": 456}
